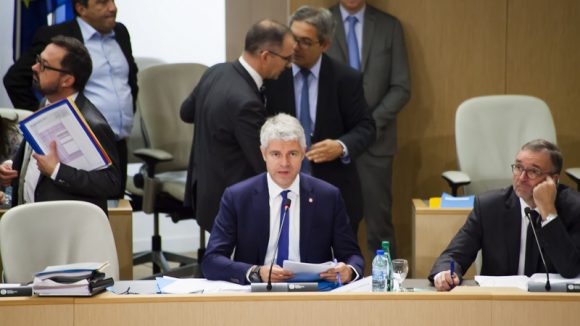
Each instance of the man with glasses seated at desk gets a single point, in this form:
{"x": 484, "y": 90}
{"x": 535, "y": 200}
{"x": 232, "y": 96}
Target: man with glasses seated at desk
{"x": 499, "y": 227}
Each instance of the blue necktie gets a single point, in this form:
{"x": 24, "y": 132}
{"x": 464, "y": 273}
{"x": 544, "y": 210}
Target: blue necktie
{"x": 283, "y": 242}
{"x": 353, "y": 54}
{"x": 305, "y": 120}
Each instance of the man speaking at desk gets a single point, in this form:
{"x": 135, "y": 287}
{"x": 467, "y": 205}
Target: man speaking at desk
{"x": 315, "y": 230}
{"x": 498, "y": 224}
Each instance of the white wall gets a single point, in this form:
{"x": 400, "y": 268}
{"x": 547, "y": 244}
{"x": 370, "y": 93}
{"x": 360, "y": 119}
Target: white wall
{"x": 176, "y": 30}
{"x": 6, "y": 26}
{"x": 173, "y": 31}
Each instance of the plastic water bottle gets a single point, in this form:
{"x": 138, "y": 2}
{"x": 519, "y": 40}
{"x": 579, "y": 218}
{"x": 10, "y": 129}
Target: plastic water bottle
{"x": 378, "y": 272}
{"x": 389, "y": 277}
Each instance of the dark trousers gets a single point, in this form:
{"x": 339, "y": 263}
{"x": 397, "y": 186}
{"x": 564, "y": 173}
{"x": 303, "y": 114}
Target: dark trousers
{"x": 376, "y": 175}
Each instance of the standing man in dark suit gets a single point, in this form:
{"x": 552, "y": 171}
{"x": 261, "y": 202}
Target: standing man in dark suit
{"x": 61, "y": 71}
{"x": 377, "y": 49}
{"x": 112, "y": 87}
{"x": 314, "y": 228}
{"x": 227, "y": 108}
{"x": 499, "y": 227}
{"x": 330, "y": 106}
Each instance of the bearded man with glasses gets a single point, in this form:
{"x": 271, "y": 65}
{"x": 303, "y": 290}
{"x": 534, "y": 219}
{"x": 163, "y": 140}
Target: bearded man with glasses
{"x": 499, "y": 227}
{"x": 61, "y": 71}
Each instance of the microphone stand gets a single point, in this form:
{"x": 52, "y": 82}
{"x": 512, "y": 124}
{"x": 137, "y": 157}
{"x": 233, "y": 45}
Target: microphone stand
{"x": 528, "y": 211}
{"x": 286, "y": 207}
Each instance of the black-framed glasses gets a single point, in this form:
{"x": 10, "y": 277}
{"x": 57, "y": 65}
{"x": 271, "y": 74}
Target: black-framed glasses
{"x": 285, "y": 58}
{"x": 305, "y": 43}
{"x": 44, "y": 67}
{"x": 531, "y": 173}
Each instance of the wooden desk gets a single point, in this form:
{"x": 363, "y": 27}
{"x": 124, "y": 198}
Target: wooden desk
{"x": 463, "y": 306}
{"x": 432, "y": 229}
{"x": 121, "y": 219}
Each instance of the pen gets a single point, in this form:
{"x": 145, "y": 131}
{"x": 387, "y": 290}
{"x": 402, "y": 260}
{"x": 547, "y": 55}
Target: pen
{"x": 337, "y": 274}
{"x": 452, "y": 270}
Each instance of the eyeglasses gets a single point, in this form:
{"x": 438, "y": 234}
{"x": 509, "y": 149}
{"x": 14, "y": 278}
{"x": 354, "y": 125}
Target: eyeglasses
{"x": 44, "y": 67}
{"x": 531, "y": 173}
{"x": 287, "y": 58}
{"x": 305, "y": 43}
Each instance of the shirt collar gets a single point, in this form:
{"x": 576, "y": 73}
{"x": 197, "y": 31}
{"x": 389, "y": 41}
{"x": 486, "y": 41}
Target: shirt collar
{"x": 523, "y": 206}
{"x": 359, "y": 14}
{"x": 315, "y": 70}
{"x": 89, "y": 31}
{"x": 253, "y": 73}
{"x": 275, "y": 190}
{"x": 73, "y": 98}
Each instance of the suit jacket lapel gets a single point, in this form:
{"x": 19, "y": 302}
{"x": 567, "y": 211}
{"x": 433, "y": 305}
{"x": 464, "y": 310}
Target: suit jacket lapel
{"x": 512, "y": 225}
{"x": 261, "y": 207}
{"x": 340, "y": 33}
{"x": 368, "y": 34}
{"x": 325, "y": 86}
{"x": 307, "y": 202}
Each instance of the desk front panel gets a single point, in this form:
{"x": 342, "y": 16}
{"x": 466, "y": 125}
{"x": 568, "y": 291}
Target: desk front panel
{"x": 432, "y": 230}
{"x": 26, "y": 311}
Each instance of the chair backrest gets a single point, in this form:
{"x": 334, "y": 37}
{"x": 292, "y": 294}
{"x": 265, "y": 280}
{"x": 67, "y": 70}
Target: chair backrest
{"x": 14, "y": 114}
{"x": 36, "y": 235}
{"x": 136, "y": 138}
{"x": 162, "y": 90}
{"x": 490, "y": 130}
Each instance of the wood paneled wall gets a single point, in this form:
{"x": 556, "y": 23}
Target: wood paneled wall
{"x": 460, "y": 49}
{"x": 464, "y": 48}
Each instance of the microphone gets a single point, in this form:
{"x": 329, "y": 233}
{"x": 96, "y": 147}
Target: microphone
{"x": 286, "y": 208}
{"x": 528, "y": 211}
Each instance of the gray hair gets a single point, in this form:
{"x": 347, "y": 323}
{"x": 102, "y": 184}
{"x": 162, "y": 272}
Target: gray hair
{"x": 282, "y": 127}
{"x": 538, "y": 145}
{"x": 320, "y": 18}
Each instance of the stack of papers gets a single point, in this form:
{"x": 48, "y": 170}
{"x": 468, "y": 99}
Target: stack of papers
{"x": 80, "y": 279}
{"x": 521, "y": 281}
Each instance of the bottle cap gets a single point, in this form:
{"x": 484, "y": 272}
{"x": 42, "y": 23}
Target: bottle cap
{"x": 386, "y": 245}
{"x": 380, "y": 252}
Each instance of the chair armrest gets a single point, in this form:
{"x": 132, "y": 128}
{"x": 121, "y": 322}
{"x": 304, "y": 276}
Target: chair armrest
{"x": 151, "y": 185}
{"x": 456, "y": 179}
{"x": 151, "y": 157}
{"x": 574, "y": 174}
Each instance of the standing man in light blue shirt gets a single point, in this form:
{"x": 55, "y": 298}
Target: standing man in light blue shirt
{"x": 112, "y": 87}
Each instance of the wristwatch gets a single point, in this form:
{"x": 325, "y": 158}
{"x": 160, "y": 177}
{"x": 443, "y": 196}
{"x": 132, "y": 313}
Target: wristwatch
{"x": 255, "y": 275}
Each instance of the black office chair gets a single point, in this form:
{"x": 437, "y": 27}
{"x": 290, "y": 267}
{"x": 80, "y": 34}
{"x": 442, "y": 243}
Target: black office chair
{"x": 160, "y": 184}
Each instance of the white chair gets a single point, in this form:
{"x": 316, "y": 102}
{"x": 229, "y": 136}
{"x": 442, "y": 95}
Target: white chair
{"x": 489, "y": 131}
{"x": 161, "y": 184}
{"x": 36, "y": 235}
{"x": 14, "y": 114}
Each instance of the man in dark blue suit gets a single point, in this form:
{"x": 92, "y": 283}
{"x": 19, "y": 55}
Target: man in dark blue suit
{"x": 315, "y": 230}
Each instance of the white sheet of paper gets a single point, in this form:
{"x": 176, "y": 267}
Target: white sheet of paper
{"x": 298, "y": 267}
{"x": 202, "y": 285}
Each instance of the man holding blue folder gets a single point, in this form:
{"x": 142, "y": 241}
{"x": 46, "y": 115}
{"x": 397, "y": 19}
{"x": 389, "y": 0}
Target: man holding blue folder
{"x": 62, "y": 71}
{"x": 281, "y": 215}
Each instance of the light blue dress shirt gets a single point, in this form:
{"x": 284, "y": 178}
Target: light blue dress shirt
{"x": 312, "y": 89}
{"x": 108, "y": 87}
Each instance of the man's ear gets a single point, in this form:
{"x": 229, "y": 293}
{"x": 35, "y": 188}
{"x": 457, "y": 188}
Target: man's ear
{"x": 68, "y": 81}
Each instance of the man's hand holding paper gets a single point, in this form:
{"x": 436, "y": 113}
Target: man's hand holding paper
{"x": 47, "y": 163}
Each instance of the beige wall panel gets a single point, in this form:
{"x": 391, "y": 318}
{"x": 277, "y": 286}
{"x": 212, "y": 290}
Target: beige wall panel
{"x": 456, "y": 51}
{"x": 241, "y": 14}
{"x": 543, "y": 60}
